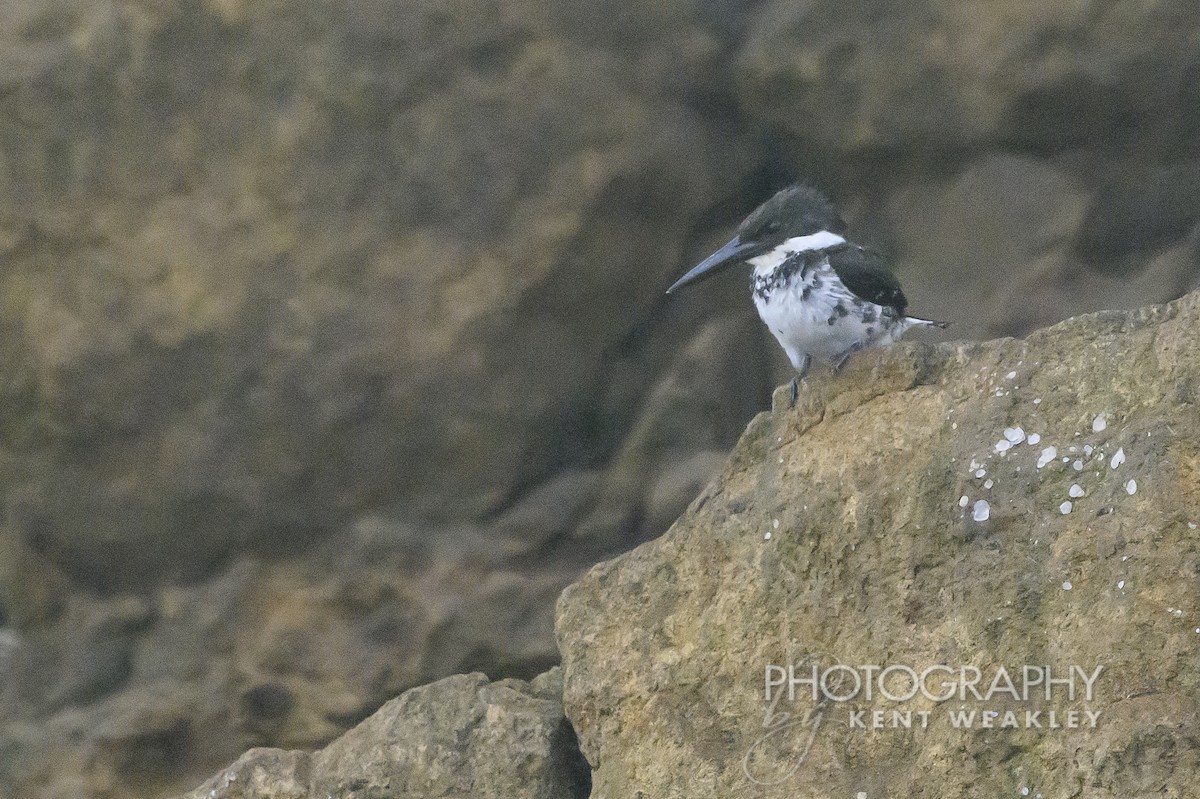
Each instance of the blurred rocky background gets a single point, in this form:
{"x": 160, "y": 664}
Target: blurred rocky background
{"x": 333, "y": 336}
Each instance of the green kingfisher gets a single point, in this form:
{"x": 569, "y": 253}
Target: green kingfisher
{"x": 820, "y": 295}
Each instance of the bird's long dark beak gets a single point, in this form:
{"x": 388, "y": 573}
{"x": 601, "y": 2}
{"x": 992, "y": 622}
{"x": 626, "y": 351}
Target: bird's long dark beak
{"x": 733, "y": 252}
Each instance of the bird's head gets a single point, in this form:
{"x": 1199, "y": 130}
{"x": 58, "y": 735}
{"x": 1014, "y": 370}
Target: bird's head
{"x": 793, "y": 215}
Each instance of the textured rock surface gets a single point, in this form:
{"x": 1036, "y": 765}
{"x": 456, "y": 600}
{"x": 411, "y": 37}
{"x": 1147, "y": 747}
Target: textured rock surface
{"x": 332, "y": 342}
{"x": 459, "y": 737}
{"x": 154, "y": 690}
{"x": 158, "y": 690}
{"x": 955, "y": 76}
{"x": 246, "y": 302}
{"x": 846, "y": 530}
{"x": 333, "y": 348}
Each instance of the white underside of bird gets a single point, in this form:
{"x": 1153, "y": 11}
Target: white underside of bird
{"x": 812, "y": 314}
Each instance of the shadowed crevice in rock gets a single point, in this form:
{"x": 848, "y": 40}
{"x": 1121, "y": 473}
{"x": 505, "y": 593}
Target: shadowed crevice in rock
{"x": 575, "y": 766}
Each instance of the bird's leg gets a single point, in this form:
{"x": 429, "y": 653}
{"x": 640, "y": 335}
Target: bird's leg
{"x": 842, "y": 358}
{"x": 800, "y": 373}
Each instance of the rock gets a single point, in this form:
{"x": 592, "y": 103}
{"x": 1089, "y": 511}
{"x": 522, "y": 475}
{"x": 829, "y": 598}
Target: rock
{"x": 948, "y": 78}
{"x": 253, "y": 301}
{"x": 151, "y": 692}
{"x": 334, "y": 337}
{"x": 461, "y": 736}
{"x": 966, "y": 245}
{"x": 323, "y": 326}
{"x": 844, "y": 532}
{"x": 674, "y": 426}
{"x": 1139, "y": 213}
{"x": 292, "y": 651}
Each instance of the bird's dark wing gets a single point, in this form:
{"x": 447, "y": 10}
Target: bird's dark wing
{"x": 862, "y": 271}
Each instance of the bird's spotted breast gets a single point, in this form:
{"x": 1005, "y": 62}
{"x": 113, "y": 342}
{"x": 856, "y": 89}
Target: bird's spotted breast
{"x": 811, "y": 312}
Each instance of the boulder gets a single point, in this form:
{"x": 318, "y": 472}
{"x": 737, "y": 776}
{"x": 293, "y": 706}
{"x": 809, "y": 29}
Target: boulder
{"x": 990, "y": 506}
{"x": 459, "y": 737}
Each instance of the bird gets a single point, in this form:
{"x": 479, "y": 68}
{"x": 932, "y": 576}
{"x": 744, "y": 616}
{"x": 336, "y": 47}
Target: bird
{"x": 820, "y": 295}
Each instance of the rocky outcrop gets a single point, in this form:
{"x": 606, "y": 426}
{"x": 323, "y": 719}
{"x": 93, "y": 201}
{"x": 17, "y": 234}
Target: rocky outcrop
{"x": 333, "y": 342}
{"x": 333, "y": 348}
{"x": 152, "y": 691}
{"x": 462, "y": 736}
{"x": 988, "y": 506}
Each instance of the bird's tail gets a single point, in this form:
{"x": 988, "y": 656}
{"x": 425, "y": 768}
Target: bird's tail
{"x": 916, "y": 320}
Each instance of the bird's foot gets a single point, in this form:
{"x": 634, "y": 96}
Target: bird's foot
{"x": 842, "y": 359}
{"x": 800, "y": 373}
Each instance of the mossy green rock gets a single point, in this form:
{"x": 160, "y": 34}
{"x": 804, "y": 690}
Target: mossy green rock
{"x": 847, "y": 530}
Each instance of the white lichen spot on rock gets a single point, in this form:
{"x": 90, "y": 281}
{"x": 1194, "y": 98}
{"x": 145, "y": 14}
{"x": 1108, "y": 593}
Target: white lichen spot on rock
{"x": 1131, "y": 487}
{"x": 1034, "y": 439}
{"x": 1014, "y": 435}
{"x": 1048, "y": 454}
{"x": 1121, "y": 584}
{"x": 1003, "y": 445}
{"x": 775, "y": 524}
{"x": 1078, "y": 466}
{"x": 980, "y": 472}
{"x": 767, "y": 536}
{"x": 981, "y": 511}
{"x": 1087, "y": 449}
{"x": 1010, "y": 375}
{"x": 962, "y": 501}
{"x": 1099, "y": 424}
{"x": 1065, "y": 508}
{"x": 988, "y": 483}
{"x": 1117, "y": 459}
{"x": 1076, "y": 490}
{"x": 1037, "y": 401}
{"x": 1067, "y": 585}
